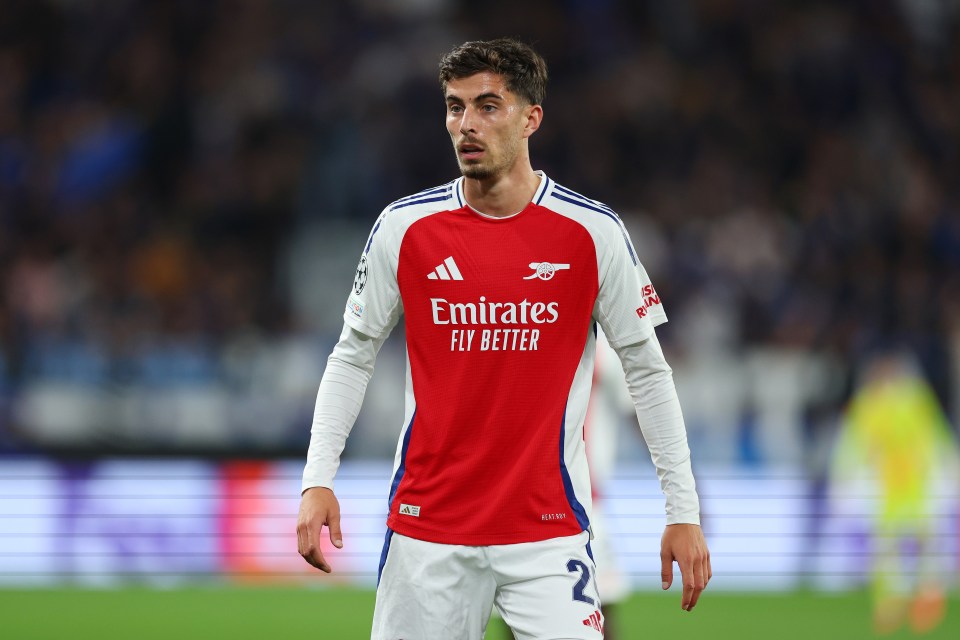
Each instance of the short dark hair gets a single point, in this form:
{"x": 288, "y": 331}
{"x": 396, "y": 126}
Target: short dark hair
{"x": 523, "y": 68}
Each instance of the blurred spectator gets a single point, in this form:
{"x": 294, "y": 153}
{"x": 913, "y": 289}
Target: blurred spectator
{"x": 165, "y": 166}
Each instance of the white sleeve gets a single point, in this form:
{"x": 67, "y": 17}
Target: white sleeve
{"x": 650, "y": 381}
{"x": 344, "y": 382}
{"x": 374, "y": 304}
{"x": 627, "y": 307}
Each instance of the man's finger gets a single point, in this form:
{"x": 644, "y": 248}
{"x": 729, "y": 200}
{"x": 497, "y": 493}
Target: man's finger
{"x": 694, "y": 582}
{"x": 303, "y": 538}
{"x": 697, "y": 589}
{"x": 316, "y": 559}
{"x": 313, "y": 555}
{"x": 688, "y": 589}
{"x": 309, "y": 550}
{"x": 666, "y": 571}
{"x": 333, "y": 524}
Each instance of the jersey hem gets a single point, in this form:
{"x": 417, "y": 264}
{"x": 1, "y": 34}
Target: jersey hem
{"x": 639, "y": 336}
{"x": 476, "y": 539}
{"x": 361, "y": 326}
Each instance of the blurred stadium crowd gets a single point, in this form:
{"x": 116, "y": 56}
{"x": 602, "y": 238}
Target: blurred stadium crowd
{"x": 184, "y": 189}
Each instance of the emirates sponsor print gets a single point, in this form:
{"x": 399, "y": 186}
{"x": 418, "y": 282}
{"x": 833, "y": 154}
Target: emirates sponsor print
{"x": 486, "y": 312}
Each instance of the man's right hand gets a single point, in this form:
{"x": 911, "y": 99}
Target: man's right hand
{"x": 318, "y": 507}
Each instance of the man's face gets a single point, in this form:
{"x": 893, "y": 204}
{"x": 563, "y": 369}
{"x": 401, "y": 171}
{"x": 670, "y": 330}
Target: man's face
{"x": 487, "y": 124}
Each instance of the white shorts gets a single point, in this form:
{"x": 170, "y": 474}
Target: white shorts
{"x": 544, "y": 590}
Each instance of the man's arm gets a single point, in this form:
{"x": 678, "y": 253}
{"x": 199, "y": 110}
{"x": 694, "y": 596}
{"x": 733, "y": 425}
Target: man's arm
{"x": 342, "y": 387}
{"x": 650, "y": 381}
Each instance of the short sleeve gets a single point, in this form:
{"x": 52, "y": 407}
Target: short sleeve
{"x": 373, "y": 306}
{"x": 628, "y": 306}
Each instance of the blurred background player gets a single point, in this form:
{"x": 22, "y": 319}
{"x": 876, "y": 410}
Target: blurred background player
{"x": 895, "y": 431}
{"x": 609, "y": 405}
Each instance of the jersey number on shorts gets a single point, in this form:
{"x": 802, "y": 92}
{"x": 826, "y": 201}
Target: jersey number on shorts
{"x": 578, "y": 594}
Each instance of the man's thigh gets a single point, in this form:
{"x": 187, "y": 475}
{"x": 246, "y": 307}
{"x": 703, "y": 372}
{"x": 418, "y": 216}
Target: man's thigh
{"x": 548, "y": 590}
{"x": 430, "y": 591}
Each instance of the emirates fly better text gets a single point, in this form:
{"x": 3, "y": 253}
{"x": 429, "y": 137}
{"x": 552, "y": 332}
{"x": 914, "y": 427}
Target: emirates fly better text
{"x": 484, "y": 312}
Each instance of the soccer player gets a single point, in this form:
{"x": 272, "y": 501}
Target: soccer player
{"x": 502, "y": 275}
{"x": 895, "y": 429}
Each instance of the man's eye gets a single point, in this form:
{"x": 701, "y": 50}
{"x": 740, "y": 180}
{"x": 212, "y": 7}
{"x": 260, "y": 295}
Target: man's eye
{"x": 455, "y": 108}
{"x": 489, "y": 107}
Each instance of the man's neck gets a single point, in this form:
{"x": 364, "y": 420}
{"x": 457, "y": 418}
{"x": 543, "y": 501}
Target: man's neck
{"x": 504, "y": 195}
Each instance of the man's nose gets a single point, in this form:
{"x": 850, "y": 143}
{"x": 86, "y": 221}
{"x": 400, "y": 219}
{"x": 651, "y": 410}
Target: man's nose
{"x": 466, "y": 122}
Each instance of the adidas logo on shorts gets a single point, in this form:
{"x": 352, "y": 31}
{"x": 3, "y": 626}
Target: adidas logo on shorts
{"x": 594, "y": 621}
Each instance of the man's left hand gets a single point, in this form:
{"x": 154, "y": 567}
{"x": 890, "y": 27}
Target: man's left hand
{"x": 685, "y": 545}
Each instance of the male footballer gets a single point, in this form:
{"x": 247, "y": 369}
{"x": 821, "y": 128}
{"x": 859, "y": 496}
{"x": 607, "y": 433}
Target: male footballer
{"x": 503, "y": 276}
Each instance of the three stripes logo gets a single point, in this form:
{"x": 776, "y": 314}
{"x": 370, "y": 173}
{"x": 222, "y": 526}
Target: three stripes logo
{"x": 594, "y": 622}
{"x": 446, "y": 270}
{"x": 410, "y": 510}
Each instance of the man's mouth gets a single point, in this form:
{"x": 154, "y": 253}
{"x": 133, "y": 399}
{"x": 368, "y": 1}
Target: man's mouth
{"x": 470, "y": 151}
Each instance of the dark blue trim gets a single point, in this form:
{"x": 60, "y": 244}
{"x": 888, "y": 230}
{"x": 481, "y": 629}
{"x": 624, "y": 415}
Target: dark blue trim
{"x": 370, "y": 239}
{"x": 456, "y": 190}
{"x": 423, "y": 201}
{"x": 586, "y": 200}
{"x": 592, "y": 207}
{"x": 383, "y": 553}
{"x": 589, "y": 553}
{"x": 575, "y": 505}
{"x": 398, "y": 476}
{"x": 546, "y": 187}
{"x": 609, "y": 214}
{"x": 423, "y": 194}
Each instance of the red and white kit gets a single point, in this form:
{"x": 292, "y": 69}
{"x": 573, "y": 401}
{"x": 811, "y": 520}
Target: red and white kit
{"x": 500, "y": 319}
{"x": 500, "y": 346}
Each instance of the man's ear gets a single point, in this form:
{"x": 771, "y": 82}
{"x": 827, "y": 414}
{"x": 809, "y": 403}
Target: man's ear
{"x": 534, "y": 115}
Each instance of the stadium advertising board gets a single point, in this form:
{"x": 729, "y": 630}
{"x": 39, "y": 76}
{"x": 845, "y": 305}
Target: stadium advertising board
{"x": 168, "y": 522}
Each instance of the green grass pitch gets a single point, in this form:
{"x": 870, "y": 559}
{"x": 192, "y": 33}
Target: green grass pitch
{"x": 344, "y": 614}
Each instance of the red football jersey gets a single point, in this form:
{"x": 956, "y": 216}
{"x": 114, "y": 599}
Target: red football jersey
{"x": 500, "y": 340}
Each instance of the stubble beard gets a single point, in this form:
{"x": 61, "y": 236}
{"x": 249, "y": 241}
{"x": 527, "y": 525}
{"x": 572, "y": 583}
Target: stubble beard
{"x": 477, "y": 172}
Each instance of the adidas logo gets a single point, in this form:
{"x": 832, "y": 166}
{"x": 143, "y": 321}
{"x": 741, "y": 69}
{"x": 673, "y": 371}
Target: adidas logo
{"x": 410, "y": 510}
{"x": 594, "y": 622}
{"x": 447, "y": 270}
